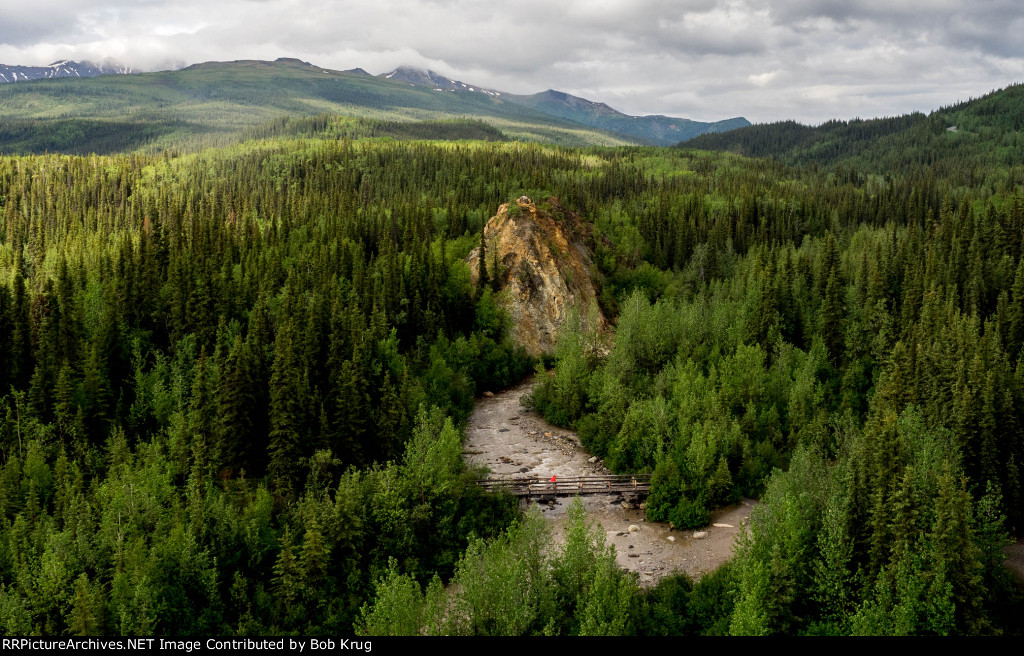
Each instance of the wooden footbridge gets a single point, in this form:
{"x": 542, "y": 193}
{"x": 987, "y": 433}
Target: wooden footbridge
{"x": 569, "y": 486}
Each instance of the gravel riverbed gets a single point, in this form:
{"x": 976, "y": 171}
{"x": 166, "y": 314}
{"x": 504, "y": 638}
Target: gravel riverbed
{"x": 514, "y": 441}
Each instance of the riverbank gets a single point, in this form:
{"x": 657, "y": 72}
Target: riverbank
{"x": 515, "y": 441}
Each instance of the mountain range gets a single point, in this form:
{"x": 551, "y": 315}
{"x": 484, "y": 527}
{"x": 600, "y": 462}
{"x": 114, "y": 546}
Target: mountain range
{"x": 259, "y": 91}
{"x": 656, "y": 129}
{"x": 62, "y": 68}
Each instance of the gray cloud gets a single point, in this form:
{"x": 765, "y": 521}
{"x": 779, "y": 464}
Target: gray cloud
{"x": 702, "y": 59}
{"x": 23, "y": 23}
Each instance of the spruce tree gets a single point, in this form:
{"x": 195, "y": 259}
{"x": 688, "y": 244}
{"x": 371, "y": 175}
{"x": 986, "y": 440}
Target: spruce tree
{"x": 236, "y": 407}
{"x": 288, "y": 411}
{"x": 832, "y": 321}
{"x": 1015, "y": 318}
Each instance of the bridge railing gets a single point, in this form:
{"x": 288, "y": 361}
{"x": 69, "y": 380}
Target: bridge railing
{"x": 569, "y": 485}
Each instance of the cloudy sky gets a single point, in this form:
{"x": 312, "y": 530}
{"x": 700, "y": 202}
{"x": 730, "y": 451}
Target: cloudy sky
{"x": 703, "y": 59}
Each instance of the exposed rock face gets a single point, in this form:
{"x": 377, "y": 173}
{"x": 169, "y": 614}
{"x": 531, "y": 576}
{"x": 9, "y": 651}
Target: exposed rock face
{"x": 540, "y": 256}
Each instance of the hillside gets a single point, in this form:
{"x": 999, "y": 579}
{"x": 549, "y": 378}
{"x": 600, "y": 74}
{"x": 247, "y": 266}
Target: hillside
{"x": 655, "y": 130}
{"x": 215, "y": 102}
{"x": 212, "y": 103}
{"x": 958, "y": 140}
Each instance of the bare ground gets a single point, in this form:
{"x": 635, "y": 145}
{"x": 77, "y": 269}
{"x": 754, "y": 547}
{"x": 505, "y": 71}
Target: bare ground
{"x": 514, "y": 441}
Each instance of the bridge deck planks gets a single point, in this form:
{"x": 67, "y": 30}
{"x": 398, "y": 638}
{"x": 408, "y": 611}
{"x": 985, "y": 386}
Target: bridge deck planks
{"x": 527, "y": 486}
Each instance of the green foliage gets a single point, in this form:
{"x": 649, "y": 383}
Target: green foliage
{"x": 233, "y": 383}
{"x": 666, "y": 485}
{"x": 964, "y": 142}
{"x": 174, "y": 460}
{"x": 339, "y": 127}
{"x": 432, "y": 459}
{"x": 516, "y": 584}
{"x": 562, "y": 396}
{"x": 397, "y": 608}
{"x": 502, "y": 587}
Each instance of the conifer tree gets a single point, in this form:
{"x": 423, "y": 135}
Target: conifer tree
{"x": 349, "y": 423}
{"x": 288, "y": 411}
{"x": 86, "y": 616}
{"x": 287, "y": 581}
{"x": 832, "y": 320}
{"x": 236, "y": 407}
{"x": 1015, "y": 319}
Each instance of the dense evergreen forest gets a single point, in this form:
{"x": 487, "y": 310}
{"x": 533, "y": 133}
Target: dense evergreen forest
{"x": 234, "y": 382}
{"x": 963, "y": 143}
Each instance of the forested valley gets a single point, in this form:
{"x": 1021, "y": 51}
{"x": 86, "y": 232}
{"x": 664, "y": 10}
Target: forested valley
{"x": 234, "y": 382}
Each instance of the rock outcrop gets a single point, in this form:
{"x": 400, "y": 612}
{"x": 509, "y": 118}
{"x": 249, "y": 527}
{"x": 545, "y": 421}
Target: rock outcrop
{"x": 539, "y": 256}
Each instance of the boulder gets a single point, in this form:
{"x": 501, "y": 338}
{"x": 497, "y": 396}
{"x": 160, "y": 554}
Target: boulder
{"x": 488, "y": 395}
{"x": 700, "y": 535}
{"x": 633, "y": 528}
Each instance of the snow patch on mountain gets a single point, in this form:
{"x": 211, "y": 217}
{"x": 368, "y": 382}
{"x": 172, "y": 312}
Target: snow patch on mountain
{"x": 426, "y": 78}
{"x": 61, "y": 68}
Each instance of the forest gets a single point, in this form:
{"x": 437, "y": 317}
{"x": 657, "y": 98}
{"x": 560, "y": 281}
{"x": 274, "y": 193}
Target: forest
{"x": 234, "y": 382}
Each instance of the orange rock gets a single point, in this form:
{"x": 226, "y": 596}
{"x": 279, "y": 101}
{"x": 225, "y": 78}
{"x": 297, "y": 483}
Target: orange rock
{"x": 541, "y": 255}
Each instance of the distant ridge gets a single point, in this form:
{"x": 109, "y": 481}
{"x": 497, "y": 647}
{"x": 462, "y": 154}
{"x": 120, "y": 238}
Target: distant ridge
{"x": 85, "y": 110}
{"x": 983, "y": 129}
{"x": 656, "y": 130}
{"x": 423, "y": 78}
{"x": 221, "y": 102}
{"x": 62, "y": 68}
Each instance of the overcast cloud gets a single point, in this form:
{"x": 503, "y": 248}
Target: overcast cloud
{"x": 701, "y": 59}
